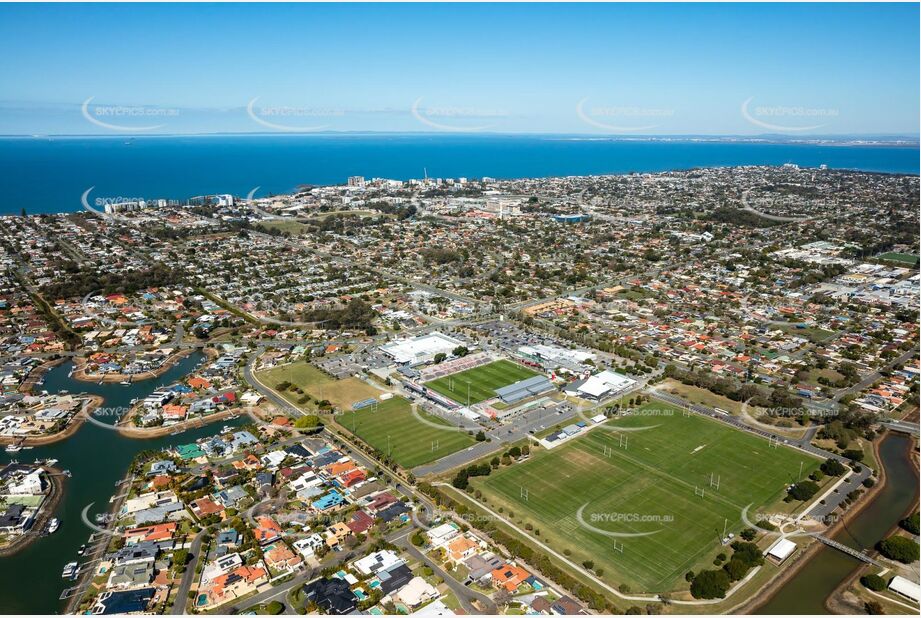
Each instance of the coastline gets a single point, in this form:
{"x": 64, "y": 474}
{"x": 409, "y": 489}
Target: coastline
{"x": 467, "y": 155}
{"x": 129, "y": 430}
{"x": 56, "y": 482}
{"x": 80, "y": 372}
{"x": 86, "y": 576}
{"x": 37, "y": 373}
{"x": 93, "y": 402}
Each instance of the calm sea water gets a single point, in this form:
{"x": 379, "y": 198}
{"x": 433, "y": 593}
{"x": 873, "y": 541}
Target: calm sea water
{"x": 50, "y": 174}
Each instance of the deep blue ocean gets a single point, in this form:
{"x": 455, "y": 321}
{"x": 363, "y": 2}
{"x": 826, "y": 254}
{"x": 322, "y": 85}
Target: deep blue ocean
{"x": 50, "y": 174}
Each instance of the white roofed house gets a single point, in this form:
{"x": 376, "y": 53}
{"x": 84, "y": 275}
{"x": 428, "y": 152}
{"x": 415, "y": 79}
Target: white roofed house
{"x": 440, "y": 535}
{"x": 416, "y": 592}
{"x": 383, "y": 560}
{"x": 28, "y": 485}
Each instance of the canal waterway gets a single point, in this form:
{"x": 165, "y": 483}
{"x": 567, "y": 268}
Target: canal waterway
{"x": 807, "y": 591}
{"x": 30, "y": 580}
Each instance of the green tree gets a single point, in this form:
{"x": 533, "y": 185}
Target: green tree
{"x": 710, "y": 584}
{"x": 803, "y": 490}
{"x": 910, "y": 523}
{"x": 873, "y": 582}
{"x": 308, "y": 421}
{"x": 833, "y": 467}
{"x": 736, "y": 569}
{"x": 899, "y": 548}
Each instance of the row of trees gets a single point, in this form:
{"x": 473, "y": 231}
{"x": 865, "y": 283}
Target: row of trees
{"x": 714, "y": 583}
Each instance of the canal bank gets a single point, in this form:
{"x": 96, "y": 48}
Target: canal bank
{"x": 807, "y": 590}
{"x": 30, "y": 581}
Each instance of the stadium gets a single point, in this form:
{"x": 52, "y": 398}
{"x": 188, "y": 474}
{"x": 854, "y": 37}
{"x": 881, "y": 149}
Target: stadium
{"x": 471, "y": 384}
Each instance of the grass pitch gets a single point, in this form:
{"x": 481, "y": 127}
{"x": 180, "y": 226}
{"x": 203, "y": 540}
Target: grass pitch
{"x": 483, "y": 381}
{"x": 904, "y": 259}
{"x": 652, "y": 485}
{"x": 411, "y": 441}
{"x": 341, "y": 393}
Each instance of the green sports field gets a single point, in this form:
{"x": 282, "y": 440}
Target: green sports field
{"x": 483, "y": 380}
{"x": 651, "y": 485}
{"x": 411, "y": 441}
{"x": 906, "y": 259}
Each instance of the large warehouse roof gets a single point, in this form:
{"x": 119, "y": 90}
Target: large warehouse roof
{"x": 420, "y": 349}
{"x": 524, "y": 388}
{"x": 603, "y": 383}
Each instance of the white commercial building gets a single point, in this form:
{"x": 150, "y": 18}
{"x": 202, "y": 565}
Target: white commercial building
{"x": 422, "y": 349}
{"x": 603, "y": 384}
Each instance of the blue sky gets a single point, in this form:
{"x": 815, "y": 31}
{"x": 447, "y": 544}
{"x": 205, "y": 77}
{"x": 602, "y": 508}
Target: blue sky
{"x": 795, "y": 69}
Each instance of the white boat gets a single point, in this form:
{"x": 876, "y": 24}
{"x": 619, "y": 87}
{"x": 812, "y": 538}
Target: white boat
{"x": 12, "y": 448}
{"x": 53, "y": 525}
{"x": 70, "y": 570}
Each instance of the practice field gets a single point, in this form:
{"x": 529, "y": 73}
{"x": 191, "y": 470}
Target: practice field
{"x": 483, "y": 381}
{"x": 646, "y": 481}
{"x": 319, "y": 385}
{"x": 906, "y": 259}
{"x": 411, "y": 442}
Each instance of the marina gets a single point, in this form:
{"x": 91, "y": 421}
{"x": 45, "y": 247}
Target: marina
{"x": 94, "y": 479}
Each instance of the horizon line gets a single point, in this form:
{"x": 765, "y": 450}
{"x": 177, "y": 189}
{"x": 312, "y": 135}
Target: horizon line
{"x": 904, "y": 137}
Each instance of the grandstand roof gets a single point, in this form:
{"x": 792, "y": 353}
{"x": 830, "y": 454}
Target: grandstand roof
{"x": 524, "y": 388}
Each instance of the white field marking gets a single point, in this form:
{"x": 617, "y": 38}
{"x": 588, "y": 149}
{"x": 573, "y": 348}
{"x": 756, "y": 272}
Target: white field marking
{"x": 698, "y": 448}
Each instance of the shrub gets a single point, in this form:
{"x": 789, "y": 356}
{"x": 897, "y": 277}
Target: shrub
{"x": 873, "y": 582}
